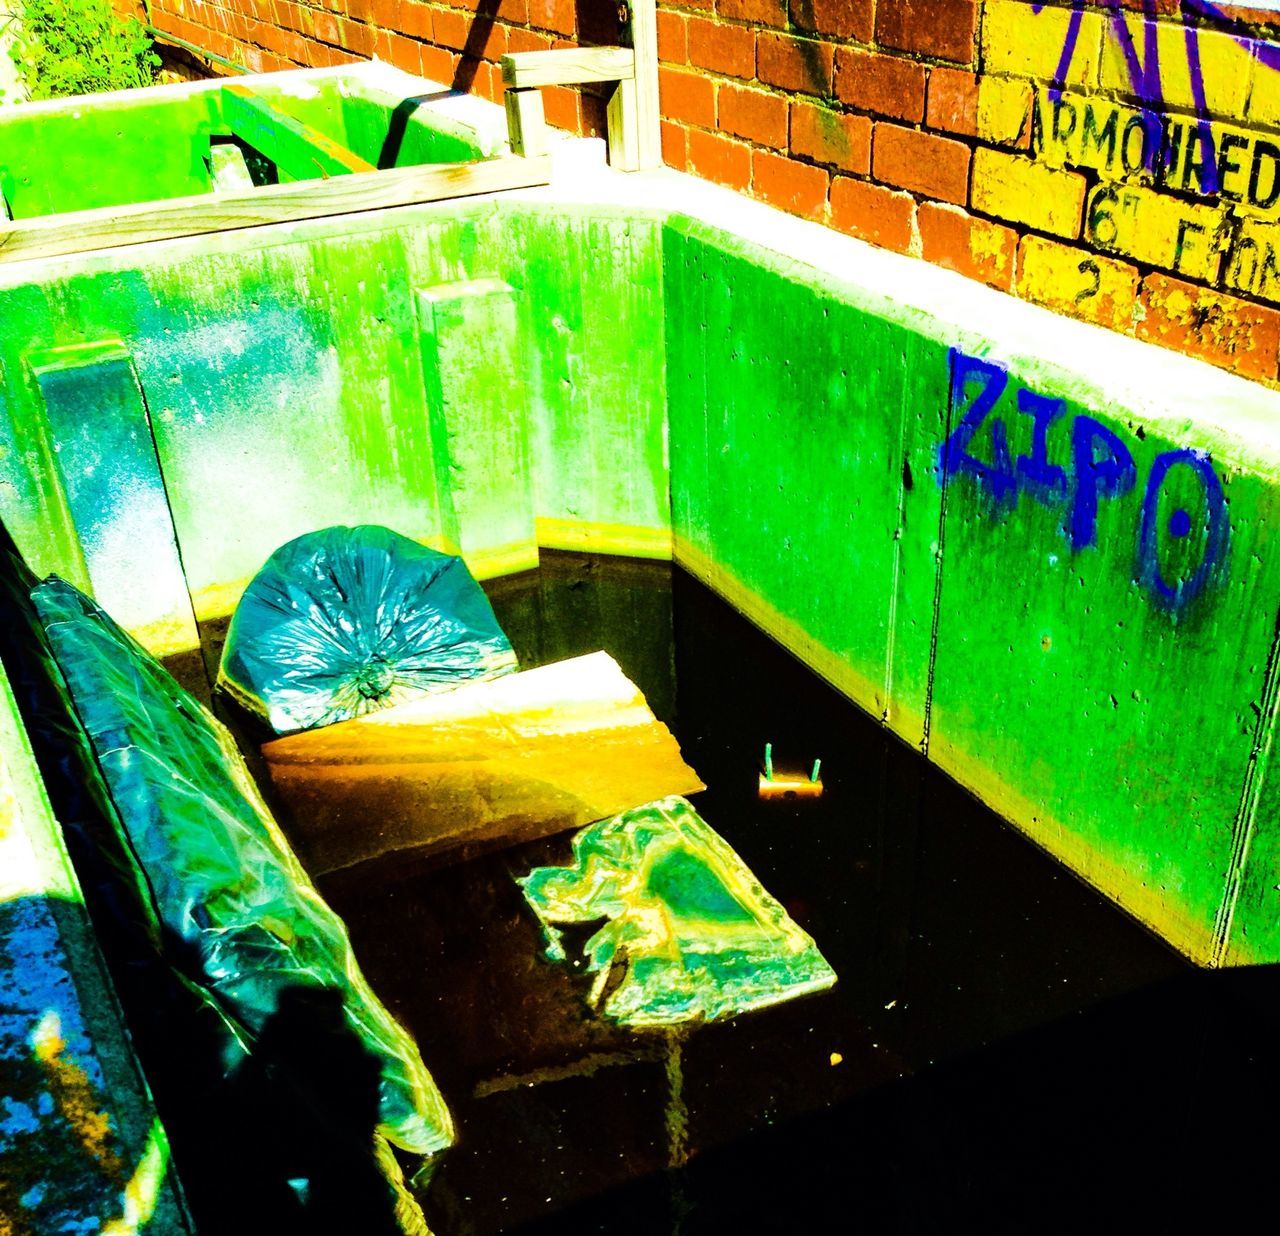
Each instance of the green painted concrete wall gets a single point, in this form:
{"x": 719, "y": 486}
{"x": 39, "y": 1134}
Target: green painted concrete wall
{"x": 1125, "y": 731}
{"x": 291, "y": 381}
{"x": 987, "y": 550}
{"x": 802, "y": 431}
{"x": 144, "y": 146}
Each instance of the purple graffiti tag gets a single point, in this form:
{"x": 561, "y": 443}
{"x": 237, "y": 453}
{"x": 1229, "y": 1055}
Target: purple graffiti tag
{"x": 1069, "y": 42}
{"x": 1144, "y": 73}
{"x": 1266, "y": 54}
{"x": 1209, "y": 163}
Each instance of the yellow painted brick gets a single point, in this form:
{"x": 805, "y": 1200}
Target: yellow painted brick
{"x": 1226, "y": 68}
{"x": 1156, "y": 228}
{"x": 1263, "y": 106}
{"x": 1070, "y": 129}
{"x": 1020, "y": 41}
{"x": 1252, "y": 265}
{"x": 1077, "y": 282}
{"x": 1257, "y": 183}
{"x": 1004, "y": 110}
{"x": 1019, "y": 189}
{"x": 1122, "y": 143}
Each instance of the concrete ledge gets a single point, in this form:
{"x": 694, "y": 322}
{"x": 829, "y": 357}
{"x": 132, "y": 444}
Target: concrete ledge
{"x": 81, "y": 1147}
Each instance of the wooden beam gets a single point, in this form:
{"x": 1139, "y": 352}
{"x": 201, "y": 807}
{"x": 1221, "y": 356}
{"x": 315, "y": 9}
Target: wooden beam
{"x": 228, "y": 170}
{"x": 86, "y": 230}
{"x": 568, "y": 66}
{"x": 623, "y": 128}
{"x": 526, "y": 122}
{"x": 295, "y": 148}
{"x": 641, "y": 34}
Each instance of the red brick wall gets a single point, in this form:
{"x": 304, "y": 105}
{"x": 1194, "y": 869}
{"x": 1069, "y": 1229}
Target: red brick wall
{"x": 459, "y": 44}
{"x": 932, "y": 127}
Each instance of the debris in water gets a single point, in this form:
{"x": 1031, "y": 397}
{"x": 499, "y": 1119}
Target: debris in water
{"x": 697, "y": 935}
{"x": 345, "y": 621}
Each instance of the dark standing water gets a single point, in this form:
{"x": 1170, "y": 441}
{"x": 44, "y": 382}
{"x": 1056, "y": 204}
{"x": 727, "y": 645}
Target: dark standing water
{"x": 1004, "y": 1051}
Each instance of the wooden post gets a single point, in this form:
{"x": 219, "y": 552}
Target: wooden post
{"x": 228, "y": 171}
{"x": 641, "y": 33}
{"x": 634, "y": 136}
{"x": 526, "y": 122}
{"x": 624, "y": 128}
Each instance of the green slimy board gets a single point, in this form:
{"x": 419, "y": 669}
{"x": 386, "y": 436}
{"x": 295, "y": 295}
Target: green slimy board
{"x": 697, "y": 936}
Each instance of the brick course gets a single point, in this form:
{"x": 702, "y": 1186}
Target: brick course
{"x": 825, "y": 135}
{"x": 802, "y": 65}
{"x": 873, "y": 213}
{"x": 834, "y": 19}
{"x": 887, "y": 85}
{"x": 722, "y": 48}
{"x": 754, "y": 114}
{"x": 970, "y": 246}
{"x": 922, "y": 162}
{"x": 940, "y": 28}
{"x": 790, "y": 186}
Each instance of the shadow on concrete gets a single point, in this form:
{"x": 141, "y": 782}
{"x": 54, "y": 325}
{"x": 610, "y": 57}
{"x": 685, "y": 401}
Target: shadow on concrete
{"x": 399, "y": 124}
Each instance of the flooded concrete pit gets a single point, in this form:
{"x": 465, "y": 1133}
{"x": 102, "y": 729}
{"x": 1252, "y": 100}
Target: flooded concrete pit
{"x": 1009, "y": 556}
{"x": 990, "y": 1010}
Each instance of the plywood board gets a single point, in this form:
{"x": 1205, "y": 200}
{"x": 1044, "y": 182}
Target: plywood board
{"x": 524, "y": 756}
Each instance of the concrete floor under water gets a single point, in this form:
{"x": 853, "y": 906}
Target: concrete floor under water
{"x": 1005, "y": 1051}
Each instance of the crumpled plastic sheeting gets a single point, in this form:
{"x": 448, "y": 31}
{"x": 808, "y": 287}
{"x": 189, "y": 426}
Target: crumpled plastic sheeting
{"x": 344, "y": 621}
{"x": 699, "y": 937}
{"x": 225, "y": 888}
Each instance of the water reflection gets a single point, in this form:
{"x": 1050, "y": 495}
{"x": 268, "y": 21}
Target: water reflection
{"x": 1003, "y": 1046}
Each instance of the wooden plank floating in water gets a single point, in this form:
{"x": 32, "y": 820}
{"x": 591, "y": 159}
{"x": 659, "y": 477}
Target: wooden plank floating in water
{"x": 511, "y": 759}
{"x": 82, "y": 231}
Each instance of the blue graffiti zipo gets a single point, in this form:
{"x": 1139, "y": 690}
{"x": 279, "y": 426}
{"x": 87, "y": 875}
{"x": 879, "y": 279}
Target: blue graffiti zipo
{"x": 1183, "y": 524}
